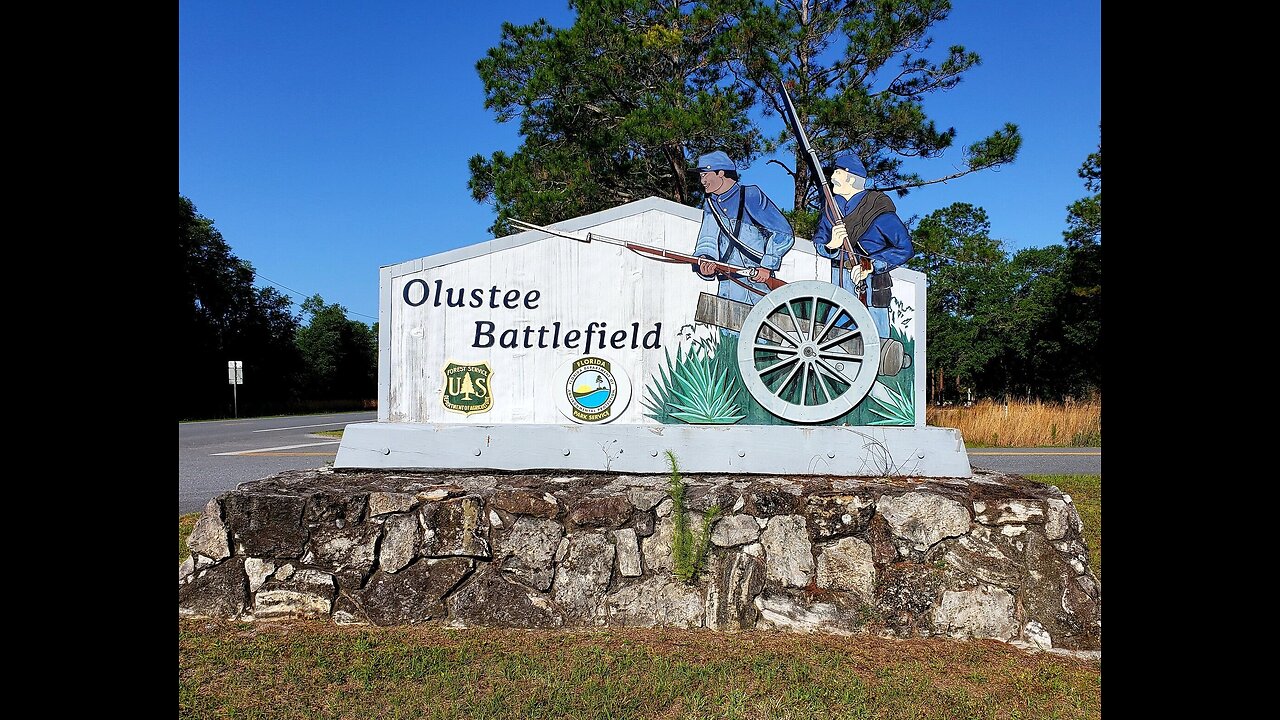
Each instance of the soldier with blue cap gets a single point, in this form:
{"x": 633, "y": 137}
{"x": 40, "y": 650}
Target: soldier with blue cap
{"x": 872, "y": 222}
{"x": 740, "y": 226}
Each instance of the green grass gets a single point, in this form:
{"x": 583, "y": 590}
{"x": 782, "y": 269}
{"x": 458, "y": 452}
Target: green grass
{"x": 315, "y": 669}
{"x": 1086, "y": 494}
{"x": 186, "y": 523}
{"x": 329, "y": 433}
{"x": 688, "y": 551}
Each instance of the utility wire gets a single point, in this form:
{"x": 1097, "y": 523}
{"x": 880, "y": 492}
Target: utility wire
{"x": 304, "y": 295}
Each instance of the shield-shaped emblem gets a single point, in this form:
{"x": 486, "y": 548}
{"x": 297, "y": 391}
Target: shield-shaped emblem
{"x": 467, "y": 387}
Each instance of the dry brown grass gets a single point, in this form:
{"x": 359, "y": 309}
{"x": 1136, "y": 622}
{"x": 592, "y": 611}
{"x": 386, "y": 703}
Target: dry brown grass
{"x": 1023, "y": 423}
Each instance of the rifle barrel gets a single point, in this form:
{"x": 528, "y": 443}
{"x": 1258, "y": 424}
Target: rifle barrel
{"x": 633, "y": 247}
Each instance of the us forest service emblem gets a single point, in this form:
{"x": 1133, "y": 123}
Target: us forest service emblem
{"x": 467, "y": 387}
{"x": 593, "y": 390}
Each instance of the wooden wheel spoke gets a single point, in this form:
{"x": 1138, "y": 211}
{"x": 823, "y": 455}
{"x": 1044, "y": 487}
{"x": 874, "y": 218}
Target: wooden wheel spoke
{"x": 813, "y": 317}
{"x": 777, "y": 365}
{"x": 832, "y": 343}
{"x": 775, "y": 349}
{"x": 787, "y": 382}
{"x": 822, "y": 383}
{"x": 785, "y": 335}
{"x": 826, "y": 329}
{"x": 833, "y": 372}
{"x": 794, "y": 322}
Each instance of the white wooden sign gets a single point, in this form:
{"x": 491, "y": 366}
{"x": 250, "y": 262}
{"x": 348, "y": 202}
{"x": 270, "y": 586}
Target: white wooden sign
{"x": 541, "y": 351}
{"x": 493, "y": 334}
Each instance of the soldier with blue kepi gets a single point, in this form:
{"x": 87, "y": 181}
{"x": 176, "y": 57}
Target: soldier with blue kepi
{"x": 740, "y": 226}
{"x": 872, "y": 222}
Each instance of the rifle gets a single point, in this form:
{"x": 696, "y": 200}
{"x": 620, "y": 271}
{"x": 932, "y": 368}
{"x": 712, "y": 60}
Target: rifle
{"x": 733, "y": 272}
{"x": 829, "y": 207}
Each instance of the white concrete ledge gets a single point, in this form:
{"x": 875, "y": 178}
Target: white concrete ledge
{"x": 847, "y": 451}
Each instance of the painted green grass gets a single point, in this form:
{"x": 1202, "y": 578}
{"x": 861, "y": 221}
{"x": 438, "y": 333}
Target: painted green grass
{"x": 1086, "y": 494}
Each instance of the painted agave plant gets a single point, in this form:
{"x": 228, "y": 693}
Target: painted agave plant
{"x": 694, "y": 388}
{"x": 891, "y": 405}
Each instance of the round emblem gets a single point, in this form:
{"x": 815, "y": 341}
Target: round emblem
{"x": 593, "y": 390}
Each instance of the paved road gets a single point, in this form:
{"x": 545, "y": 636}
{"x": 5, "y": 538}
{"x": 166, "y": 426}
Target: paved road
{"x": 214, "y": 457}
{"x": 1038, "y": 461}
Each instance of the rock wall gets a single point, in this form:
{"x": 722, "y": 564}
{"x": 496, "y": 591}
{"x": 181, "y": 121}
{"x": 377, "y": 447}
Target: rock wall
{"x": 994, "y": 556}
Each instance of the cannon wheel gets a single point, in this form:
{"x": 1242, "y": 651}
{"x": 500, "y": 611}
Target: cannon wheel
{"x": 809, "y": 351}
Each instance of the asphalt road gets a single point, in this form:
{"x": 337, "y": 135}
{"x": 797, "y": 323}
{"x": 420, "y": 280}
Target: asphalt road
{"x": 214, "y": 457}
{"x": 1038, "y": 461}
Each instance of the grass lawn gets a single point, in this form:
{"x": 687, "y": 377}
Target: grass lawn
{"x": 186, "y": 523}
{"x": 314, "y": 669}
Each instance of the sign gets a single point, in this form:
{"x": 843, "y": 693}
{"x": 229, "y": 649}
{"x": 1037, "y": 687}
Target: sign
{"x": 235, "y": 372}
{"x": 570, "y": 319}
{"x": 603, "y": 342}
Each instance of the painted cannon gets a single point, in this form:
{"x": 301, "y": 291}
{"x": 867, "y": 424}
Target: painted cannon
{"x": 804, "y": 347}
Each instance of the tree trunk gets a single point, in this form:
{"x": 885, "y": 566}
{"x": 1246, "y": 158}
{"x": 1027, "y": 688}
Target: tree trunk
{"x": 675, "y": 157}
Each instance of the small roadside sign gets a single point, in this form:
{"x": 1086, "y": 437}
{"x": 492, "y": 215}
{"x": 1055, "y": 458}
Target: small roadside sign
{"x": 235, "y": 376}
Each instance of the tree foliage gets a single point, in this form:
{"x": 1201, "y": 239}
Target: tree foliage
{"x": 1084, "y": 216}
{"x": 1029, "y": 324}
{"x": 340, "y": 355}
{"x": 223, "y": 317}
{"x": 1082, "y": 308}
{"x": 611, "y": 109}
{"x": 969, "y": 284}
{"x": 615, "y": 107}
{"x": 287, "y": 367}
{"x": 859, "y": 72}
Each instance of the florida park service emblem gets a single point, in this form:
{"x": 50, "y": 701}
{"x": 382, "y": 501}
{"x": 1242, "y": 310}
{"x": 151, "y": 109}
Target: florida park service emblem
{"x": 594, "y": 390}
{"x": 466, "y": 387}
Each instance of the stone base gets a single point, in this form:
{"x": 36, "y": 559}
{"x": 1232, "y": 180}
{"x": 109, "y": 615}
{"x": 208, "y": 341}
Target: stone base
{"x": 822, "y": 450}
{"x": 993, "y": 556}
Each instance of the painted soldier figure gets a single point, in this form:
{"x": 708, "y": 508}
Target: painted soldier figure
{"x": 740, "y": 226}
{"x": 872, "y": 222}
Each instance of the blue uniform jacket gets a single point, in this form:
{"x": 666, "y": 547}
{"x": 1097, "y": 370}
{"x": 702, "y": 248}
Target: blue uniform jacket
{"x": 886, "y": 241}
{"x": 765, "y": 233}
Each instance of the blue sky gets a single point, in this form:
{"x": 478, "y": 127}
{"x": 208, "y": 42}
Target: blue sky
{"x": 326, "y": 139}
